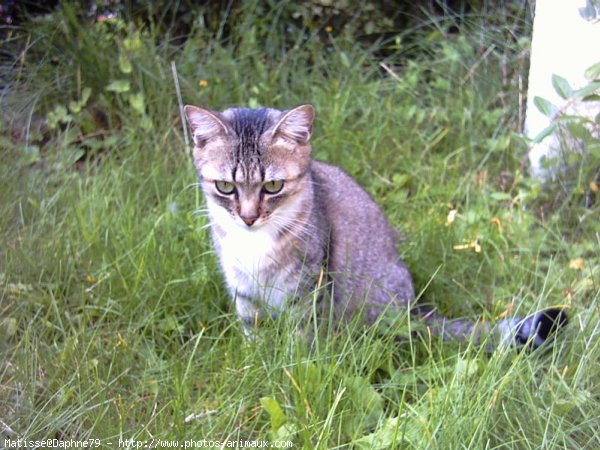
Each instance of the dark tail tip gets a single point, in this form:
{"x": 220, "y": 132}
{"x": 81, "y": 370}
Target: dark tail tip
{"x": 549, "y": 321}
{"x": 541, "y": 327}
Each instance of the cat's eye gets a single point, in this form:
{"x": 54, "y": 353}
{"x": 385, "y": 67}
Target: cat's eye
{"x": 225, "y": 187}
{"x": 273, "y": 187}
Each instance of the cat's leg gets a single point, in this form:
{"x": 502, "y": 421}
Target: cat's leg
{"x": 248, "y": 313}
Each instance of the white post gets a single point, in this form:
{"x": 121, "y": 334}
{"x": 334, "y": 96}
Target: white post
{"x": 564, "y": 43}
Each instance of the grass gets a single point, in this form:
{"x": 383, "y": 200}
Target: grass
{"x": 114, "y": 321}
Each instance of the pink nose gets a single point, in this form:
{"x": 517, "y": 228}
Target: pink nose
{"x": 249, "y": 220}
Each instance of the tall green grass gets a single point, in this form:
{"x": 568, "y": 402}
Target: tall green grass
{"x": 114, "y": 322}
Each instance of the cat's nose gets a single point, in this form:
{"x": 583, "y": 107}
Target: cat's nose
{"x": 249, "y": 220}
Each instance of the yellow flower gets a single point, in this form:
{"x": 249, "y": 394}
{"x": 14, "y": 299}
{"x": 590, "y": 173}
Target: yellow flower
{"x": 203, "y": 83}
{"x": 122, "y": 342}
{"x": 577, "y": 264}
{"x": 475, "y": 245}
{"x": 451, "y": 217}
{"x": 498, "y": 223}
{"x": 329, "y": 28}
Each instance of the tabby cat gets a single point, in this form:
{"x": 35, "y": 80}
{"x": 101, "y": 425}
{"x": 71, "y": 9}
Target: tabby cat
{"x": 284, "y": 224}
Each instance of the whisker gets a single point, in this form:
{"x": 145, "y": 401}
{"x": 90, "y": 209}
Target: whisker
{"x": 204, "y": 227}
{"x": 301, "y": 225}
{"x": 200, "y": 213}
{"x": 301, "y": 230}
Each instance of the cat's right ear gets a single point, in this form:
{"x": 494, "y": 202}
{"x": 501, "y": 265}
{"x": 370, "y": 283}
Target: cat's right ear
{"x": 205, "y": 124}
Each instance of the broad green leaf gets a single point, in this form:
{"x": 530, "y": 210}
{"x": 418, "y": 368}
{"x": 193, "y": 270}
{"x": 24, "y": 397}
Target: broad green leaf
{"x": 545, "y": 133}
{"x": 125, "y": 64}
{"x": 271, "y": 406}
{"x": 382, "y": 438}
{"x": 119, "y": 86}
{"x": 58, "y": 116}
{"x": 62, "y": 113}
{"x": 588, "y": 90}
{"x": 73, "y": 154}
{"x": 133, "y": 43}
{"x": 71, "y": 134}
{"x": 545, "y": 106}
{"x": 85, "y": 95}
{"x": 467, "y": 368}
{"x": 593, "y": 72}
{"x": 566, "y": 118}
{"x": 578, "y": 130}
{"x": 74, "y": 107}
{"x": 498, "y": 144}
{"x": 407, "y": 430}
{"x": 562, "y": 86}
{"x": 362, "y": 393}
{"x": 137, "y": 102}
{"x": 365, "y": 408}
{"x": 285, "y": 432}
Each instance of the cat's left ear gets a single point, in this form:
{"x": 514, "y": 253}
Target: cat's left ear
{"x": 296, "y": 124}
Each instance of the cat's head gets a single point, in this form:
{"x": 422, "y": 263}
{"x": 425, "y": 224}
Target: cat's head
{"x": 252, "y": 163}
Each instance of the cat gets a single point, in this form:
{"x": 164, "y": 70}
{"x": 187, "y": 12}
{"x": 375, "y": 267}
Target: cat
{"x": 285, "y": 226}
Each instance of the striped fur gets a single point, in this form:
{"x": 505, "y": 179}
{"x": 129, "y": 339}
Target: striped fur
{"x": 281, "y": 220}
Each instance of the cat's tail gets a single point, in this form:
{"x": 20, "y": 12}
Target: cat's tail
{"x": 529, "y": 332}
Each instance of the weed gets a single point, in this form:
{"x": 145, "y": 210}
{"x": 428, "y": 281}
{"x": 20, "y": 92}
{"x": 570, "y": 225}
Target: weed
{"x": 114, "y": 320}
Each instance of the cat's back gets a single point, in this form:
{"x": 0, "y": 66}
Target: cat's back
{"x": 348, "y": 206}
{"x": 363, "y": 258}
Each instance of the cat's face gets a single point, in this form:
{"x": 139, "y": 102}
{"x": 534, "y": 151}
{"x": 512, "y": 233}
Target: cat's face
{"x": 252, "y": 164}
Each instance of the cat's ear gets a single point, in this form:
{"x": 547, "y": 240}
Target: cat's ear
{"x": 296, "y": 124}
{"x": 205, "y": 124}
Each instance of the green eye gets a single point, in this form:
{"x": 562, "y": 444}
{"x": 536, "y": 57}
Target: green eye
{"x": 273, "y": 187}
{"x": 225, "y": 187}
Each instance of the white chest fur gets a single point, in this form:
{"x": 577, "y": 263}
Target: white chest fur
{"x": 247, "y": 258}
{"x": 247, "y": 251}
